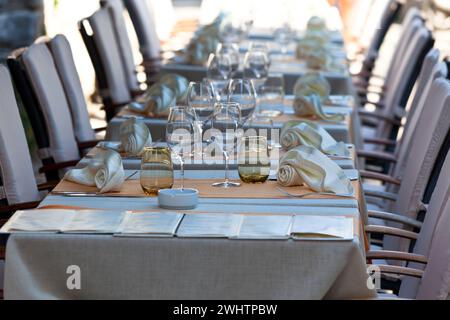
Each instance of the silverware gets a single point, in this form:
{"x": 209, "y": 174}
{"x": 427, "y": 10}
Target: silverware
{"x": 132, "y": 175}
{"x": 93, "y": 194}
{"x": 305, "y": 195}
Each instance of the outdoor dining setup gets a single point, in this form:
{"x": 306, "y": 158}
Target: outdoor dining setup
{"x": 263, "y": 158}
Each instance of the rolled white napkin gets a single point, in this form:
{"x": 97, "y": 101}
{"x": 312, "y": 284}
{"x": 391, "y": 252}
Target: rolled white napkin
{"x": 316, "y": 23}
{"x": 134, "y": 137}
{"x": 105, "y": 172}
{"x": 311, "y": 105}
{"x": 312, "y": 83}
{"x": 308, "y": 166}
{"x": 295, "y": 133}
{"x": 155, "y": 102}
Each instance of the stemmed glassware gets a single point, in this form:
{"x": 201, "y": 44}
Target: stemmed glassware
{"x": 284, "y": 36}
{"x": 219, "y": 73}
{"x": 200, "y": 100}
{"x": 257, "y": 63}
{"x": 242, "y": 91}
{"x": 180, "y": 135}
{"x": 231, "y": 50}
{"x": 226, "y": 121}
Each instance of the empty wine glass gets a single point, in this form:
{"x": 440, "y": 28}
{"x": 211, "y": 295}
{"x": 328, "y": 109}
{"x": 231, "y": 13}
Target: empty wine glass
{"x": 271, "y": 96}
{"x": 232, "y": 51}
{"x": 219, "y": 67}
{"x": 200, "y": 100}
{"x": 180, "y": 135}
{"x": 226, "y": 121}
{"x": 243, "y": 92}
{"x": 283, "y": 36}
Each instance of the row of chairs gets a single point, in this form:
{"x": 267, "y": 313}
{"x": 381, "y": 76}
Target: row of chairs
{"x": 409, "y": 130}
{"x": 49, "y": 87}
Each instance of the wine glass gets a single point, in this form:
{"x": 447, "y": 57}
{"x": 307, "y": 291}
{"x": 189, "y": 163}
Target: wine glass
{"x": 180, "y": 135}
{"x": 232, "y": 51}
{"x": 283, "y": 36}
{"x": 242, "y": 92}
{"x": 219, "y": 67}
{"x": 226, "y": 121}
{"x": 200, "y": 100}
{"x": 271, "y": 96}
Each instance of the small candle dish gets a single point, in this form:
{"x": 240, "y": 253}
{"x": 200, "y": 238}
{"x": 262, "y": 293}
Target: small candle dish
{"x": 178, "y": 199}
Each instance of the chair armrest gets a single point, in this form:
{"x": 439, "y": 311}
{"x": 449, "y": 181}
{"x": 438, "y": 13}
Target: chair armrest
{"x": 100, "y": 129}
{"x": 396, "y": 255}
{"x": 58, "y": 166}
{"x": 19, "y": 206}
{"x": 47, "y": 186}
{"x": 395, "y": 218}
{"x": 88, "y": 144}
{"x": 369, "y": 114}
{"x": 376, "y": 155}
{"x": 381, "y": 194}
{"x": 392, "y": 232}
{"x": 386, "y": 142}
{"x": 379, "y": 176}
{"x": 400, "y": 271}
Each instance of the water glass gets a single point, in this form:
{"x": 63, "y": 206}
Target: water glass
{"x": 156, "y": 170}
{"x": 254, "y": 159}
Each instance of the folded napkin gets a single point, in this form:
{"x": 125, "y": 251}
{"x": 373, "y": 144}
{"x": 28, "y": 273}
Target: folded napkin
{"x": 134, "y": 137}
{"x": 316, "y": 23}
{"x": 312, "y": 83}
{"x": 105, "y": 172}
{"x": 178, "y": 84}
{"x": 155, "y": 102}
{"x": 204, "y": 42}
{"x": 311, "y": 105}
{"x": 308, "y": 166}
{"x": 295, "y": 133}
{"x": 318, "y": 60}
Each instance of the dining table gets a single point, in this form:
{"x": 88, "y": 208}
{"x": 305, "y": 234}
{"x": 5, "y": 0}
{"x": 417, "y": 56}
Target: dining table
{"x": 38, "y": 264}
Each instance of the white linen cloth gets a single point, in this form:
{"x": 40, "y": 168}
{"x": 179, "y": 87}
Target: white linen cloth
{"x": 295, "y": 133}
{"x": 308, "y": 166}
{"x": 311, "y": 105}
{"x": 134, "y": 137}
{"x": 105, "y": 172}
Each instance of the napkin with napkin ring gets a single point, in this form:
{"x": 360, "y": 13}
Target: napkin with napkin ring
{"x": 105, "y": 171}
{"x": 308, "y": 166}
{"x": 295, "y": 133}
{"x": 311, "y": 105}
{"x": 134, "y": 138}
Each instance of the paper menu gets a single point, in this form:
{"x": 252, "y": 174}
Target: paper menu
{"x": 48, "y": 220}
{"x": 265, "y": 227}
{"x": 149, "y": 224}
{"x": 305, "y": 227}
{"x": 94, "y": 221}
{"x": 209, "y": 226}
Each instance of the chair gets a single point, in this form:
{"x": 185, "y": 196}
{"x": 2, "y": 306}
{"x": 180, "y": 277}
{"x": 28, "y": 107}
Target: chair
{"x": 18, "y": 187}
{"x": 393, "y": 109}
{"x": 116, "y": 9}
{"x": 46, "y": 104}
{"x": 429, "y": 138}
{"x": 149, "y": 44}
{"x": 99, "y": 37}
{"x": 362, "y": 79}
{"x": 396, "y": 151}
{"x": 427, "y": 273}
{"x": 63, "y": 61}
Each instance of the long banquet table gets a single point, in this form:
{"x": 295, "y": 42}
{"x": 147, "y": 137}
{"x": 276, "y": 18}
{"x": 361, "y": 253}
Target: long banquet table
{"x": 174, "y": 268}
